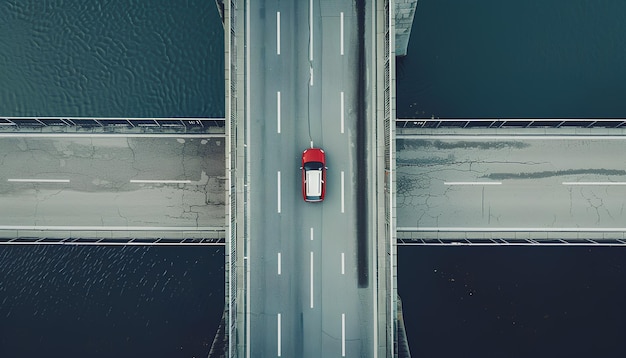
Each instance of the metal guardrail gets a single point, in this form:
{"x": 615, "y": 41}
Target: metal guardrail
{"x": 163, "y": 241}
{"x": 39, "y": 122}
{"x": 389, "y": 114}
{"x": 232, "y": 19}
{"x": 510, "y": 123}
{"x": 61, "y": 235}
{"x": 513, "y": 236}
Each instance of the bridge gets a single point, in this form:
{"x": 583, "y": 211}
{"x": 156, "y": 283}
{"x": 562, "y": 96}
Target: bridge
{"x": 310, "y": 280}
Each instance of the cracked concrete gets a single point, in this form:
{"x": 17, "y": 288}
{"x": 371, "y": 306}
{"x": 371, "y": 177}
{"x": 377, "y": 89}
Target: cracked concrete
{"x": 100, "y": 192}
{"x": 532, "y": 172}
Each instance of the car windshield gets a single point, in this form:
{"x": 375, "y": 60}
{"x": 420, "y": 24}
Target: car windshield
{"x": 313, "y": 166}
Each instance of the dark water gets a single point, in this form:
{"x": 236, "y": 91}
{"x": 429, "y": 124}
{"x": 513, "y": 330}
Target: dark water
{"x": 111, "y": 58}
{"x": 87, "y": 301}
{"x": 515, "y": 59}
{"x": 513, "y": 301}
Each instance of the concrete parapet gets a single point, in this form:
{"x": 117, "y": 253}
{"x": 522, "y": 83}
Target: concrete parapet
{"x": 220, "y": 340}
{"x": 405, "y": 12}
{"x": 403, "y": 342}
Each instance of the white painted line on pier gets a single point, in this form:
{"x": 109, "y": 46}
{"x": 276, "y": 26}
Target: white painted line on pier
{"x": 311, "y": 234}
{"x": 278, "y": 192}
{"x": 38, "y": 180}
{"x": 342, "y": 192}
{"x": 341, "y": 26}
{"x": 310, "y": 30}
{"x": 278, "y": 32}
{"x": 510, "y": 229}
{"x": 110, "y": 243}
{"x": 279, "y": 343}
{"x": 106, "y": 135}
{"x": 110, "y": 228}
{"x": 311, "y": 279}
{"x": 342, "y": 111}
{"x": 594, "y": 183}
{"x": 147, "y": 181}
{"x": 247, "y": 149}
{"x": 311, "y": 76}
{"x": 278, "y": 111}
{"x": 279, "y": 264}
{"x": 343, "y": 334}
{"x": 472, "y": 183}
{"x": 511, "y": 137}
{"x": 343, "y": 263}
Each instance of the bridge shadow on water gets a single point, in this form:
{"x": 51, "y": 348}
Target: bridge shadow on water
{"x": 513, "y": 301}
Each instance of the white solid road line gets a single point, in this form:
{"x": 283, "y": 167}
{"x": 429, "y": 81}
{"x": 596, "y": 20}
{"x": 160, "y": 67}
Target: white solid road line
{"x": 311, "y": 279}
{"x": 278, "y": 32}
{"x": 311, "y": 75}
{"x": 311, "y": 234}
{"x": 279, "y": 268}
{"x": 341, "y": 30}
{"x": 343, "y": 264}
{"x": 511, "y": 137}
{"x": 247, "y": 149}
{"x": 108, "y": 243}
{"x": 109, "y": 228}
{"x": 594, "y": 183}
{"x": 472, "y": 183}
{"x": 278, "y": 111}
{"x": 342, "y": 112}
{"x": 342, "y": 193}
{"x": 112, "y": 135}
{"x": 311, "y": 30}
{"x": 38, "y": 180}
{"x": 141, "y": 181}
{"x": 510, "y": 229}
{"x": 279, "y": 343}
{"x": 279, "y": 192}
{"x": 343, "y": 334}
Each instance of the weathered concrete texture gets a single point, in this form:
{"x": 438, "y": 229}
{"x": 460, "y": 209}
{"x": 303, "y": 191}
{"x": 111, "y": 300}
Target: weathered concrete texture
{"x": 533, "y": 173}
{"x": 99, "y": 191}
{"x": 404, "y": 11}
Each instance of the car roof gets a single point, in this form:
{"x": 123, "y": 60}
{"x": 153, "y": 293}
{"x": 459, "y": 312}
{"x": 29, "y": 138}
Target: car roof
{"x": 313, "y": 183}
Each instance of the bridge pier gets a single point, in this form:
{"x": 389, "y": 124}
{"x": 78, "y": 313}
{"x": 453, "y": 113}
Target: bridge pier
{"x": 405, "y": 12}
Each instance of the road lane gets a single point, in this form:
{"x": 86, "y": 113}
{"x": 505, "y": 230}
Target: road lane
{"x": 317, "y": 90}
{"x": 340, "y": 293}
{"x": 273, "y": 151}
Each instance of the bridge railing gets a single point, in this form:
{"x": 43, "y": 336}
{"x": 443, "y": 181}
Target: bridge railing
{"x": 407, "y": 123}
{"x": 55, "y": 235}
{"x": 86, "y": 241}
{"x": 512, "y": 236}
{"x": 388, "y": 247}
{"x": 235, "y": 167}
{"x": 94, "y": 122}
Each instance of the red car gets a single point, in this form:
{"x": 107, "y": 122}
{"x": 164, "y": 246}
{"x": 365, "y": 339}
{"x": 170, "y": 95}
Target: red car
{"x": 313, "y": 174}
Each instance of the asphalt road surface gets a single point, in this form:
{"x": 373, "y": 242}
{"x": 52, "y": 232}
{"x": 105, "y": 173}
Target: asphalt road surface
{"x": 304, "y": 294}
